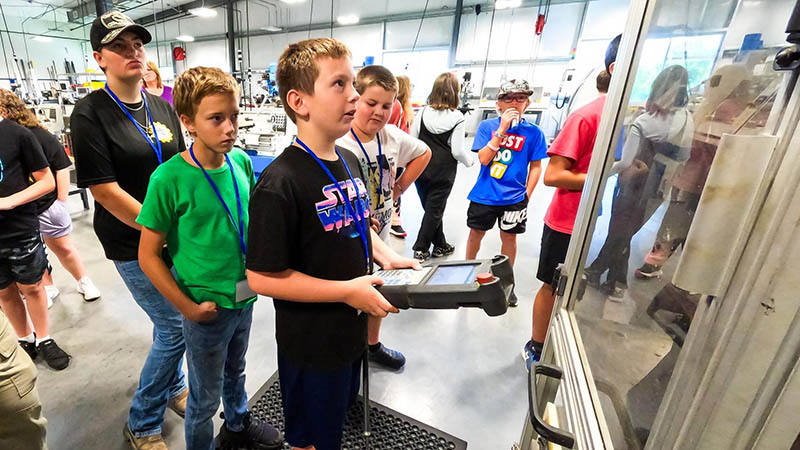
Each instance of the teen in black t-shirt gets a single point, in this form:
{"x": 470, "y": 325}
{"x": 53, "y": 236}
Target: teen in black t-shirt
{"x": 109, "y": 149}
{"x": 55, "y": 223}
{"x": 22, "y": 257}
{"x": 20, "y": 156}
{"x": 117, "y": 133}
{"x": 57, "y": 159}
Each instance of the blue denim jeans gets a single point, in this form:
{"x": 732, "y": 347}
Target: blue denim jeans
{"x": 162, "y": 375}
{"x": 215, "y": 355}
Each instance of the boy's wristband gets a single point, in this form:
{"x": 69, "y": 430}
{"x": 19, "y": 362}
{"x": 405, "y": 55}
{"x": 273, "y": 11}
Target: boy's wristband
{"x": 499, "y": 134}
{"x": 492, "y": 147}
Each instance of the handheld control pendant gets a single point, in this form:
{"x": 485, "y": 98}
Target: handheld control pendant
{"x": 487, "y": 284}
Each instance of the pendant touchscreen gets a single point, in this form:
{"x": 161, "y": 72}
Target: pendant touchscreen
{"x": 453, "y": 275}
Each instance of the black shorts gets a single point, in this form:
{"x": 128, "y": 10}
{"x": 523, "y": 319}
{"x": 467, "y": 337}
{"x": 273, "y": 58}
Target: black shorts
{"x": 553, "y": 252}
{"x": 510, "y": 218}
{"x": 22, "y": 260}
{"x": 316, "y": 401}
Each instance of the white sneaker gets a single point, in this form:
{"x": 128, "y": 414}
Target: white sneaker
{"x": 88, "y": 289}
{"x": 52, "y": 292}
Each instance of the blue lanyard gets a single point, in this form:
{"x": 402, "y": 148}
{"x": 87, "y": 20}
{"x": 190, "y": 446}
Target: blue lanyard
{"x": 155, "y": 146}
{"x": 240, "y": 228}
{"x": 359, "y": 220}
{"x": 378, "y": 161}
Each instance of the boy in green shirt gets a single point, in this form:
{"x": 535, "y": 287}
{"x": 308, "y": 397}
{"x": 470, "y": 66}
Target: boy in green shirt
{"x": 197, "y": 204}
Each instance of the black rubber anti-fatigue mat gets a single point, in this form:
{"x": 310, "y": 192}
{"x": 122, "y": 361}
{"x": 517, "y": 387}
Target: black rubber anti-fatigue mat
{"x": 390, "y": 430}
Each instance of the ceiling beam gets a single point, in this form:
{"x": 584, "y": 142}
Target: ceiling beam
{"x": 180, "y": 10}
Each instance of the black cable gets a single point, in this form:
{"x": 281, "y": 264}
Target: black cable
{"x": 5, "y": 57}
{"x": 10, "y": 42}
{"x": 249, "y": 61}
{"x": 488, "y": 46}
{"x": 332, "y": 18}
{"x": 155, "y": 29}
{"x": 420, "y": 25}
{"x": 164, "y": 32}
{"x": 310, "y": 18}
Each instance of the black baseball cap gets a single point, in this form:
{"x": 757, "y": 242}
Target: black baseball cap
{"x": 110, "y": 25}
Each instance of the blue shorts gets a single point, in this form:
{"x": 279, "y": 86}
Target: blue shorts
{"x": 316, "y": 401}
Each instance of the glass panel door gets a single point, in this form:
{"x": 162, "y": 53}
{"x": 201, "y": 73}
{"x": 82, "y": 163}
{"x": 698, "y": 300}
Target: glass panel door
{"x": 692, "y": 85}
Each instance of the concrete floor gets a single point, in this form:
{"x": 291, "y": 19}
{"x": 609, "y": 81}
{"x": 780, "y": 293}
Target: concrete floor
{"x": 464, "y": 373}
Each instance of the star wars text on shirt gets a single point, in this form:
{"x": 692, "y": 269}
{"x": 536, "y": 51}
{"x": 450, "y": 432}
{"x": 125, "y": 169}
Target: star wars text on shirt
{"x": 333, "y": 213}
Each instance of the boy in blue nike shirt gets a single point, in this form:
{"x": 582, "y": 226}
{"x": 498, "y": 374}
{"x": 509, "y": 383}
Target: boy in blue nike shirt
{"x": 197, "y": 203}
{"x": 510, "y": 150}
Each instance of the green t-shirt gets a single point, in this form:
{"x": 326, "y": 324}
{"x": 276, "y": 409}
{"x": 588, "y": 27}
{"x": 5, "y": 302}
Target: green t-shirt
{"x": 201, "y": 239}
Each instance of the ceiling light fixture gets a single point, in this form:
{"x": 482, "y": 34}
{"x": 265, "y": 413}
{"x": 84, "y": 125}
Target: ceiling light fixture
{"x": 42, "y": 39}
{"x": 185, "y": 38}
{"x": 292, "y": 2}
{"x": 505, "y": 4}
{"x": 347, "y": 20}
{"x": 271, "y": 28}
{"x": 203, "y": 12}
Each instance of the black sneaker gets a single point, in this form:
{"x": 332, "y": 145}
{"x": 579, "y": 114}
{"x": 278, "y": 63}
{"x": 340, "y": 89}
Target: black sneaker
{"x": 255, "y": 435}
{"x": 387, "y": 357}
{"x": 648, "y": 272}
{"x": 421, "y": 255}
{"x": 448, "y": 249}
{"x": 398, "y": 231}
{"x": 30, "y": 348}
{"x": 52, "y": 354}
{"x": 592, "y": 278}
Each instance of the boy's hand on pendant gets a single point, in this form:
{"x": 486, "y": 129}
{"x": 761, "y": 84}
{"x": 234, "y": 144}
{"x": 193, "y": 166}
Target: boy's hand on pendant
{"x": 364, "y": 297}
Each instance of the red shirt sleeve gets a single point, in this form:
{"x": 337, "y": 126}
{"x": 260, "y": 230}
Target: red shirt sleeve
{"x": 573, "y": 138}
{"x": 397, "y": 113}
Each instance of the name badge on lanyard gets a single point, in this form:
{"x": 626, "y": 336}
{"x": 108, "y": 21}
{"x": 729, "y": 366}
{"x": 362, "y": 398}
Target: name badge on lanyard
{"x": 358, "y": 219}
{"x": 155, "y": 143}
{"x": 243, "y": 291}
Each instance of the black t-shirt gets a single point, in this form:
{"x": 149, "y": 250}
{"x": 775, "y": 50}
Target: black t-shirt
{"x": 296, "y": 222}
{"x": 20, "y": 155}
{"x": 108, "y": 147}
{"x": 57, "y": 159}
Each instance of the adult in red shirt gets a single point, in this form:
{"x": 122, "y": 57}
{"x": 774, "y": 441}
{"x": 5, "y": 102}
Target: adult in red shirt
{"x": 569, "y": 155}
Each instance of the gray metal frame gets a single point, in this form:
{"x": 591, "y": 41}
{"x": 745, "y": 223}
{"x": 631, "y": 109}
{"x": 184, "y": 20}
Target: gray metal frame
{"x": 563, "y": 344}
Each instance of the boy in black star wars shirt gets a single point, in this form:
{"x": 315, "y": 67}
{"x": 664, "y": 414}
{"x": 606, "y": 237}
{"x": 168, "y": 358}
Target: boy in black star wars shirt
{"x": 311, "y": 247}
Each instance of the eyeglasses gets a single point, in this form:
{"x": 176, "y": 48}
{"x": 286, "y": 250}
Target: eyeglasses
{"x": 516, "y": 99}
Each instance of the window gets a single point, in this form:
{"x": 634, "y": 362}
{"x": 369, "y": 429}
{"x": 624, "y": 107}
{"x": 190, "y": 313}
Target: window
{"x": 425, "y": 65}
{"x": 696, "y": 53}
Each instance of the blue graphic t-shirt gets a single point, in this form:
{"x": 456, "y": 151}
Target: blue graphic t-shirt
{"x": 502, "y": 182}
